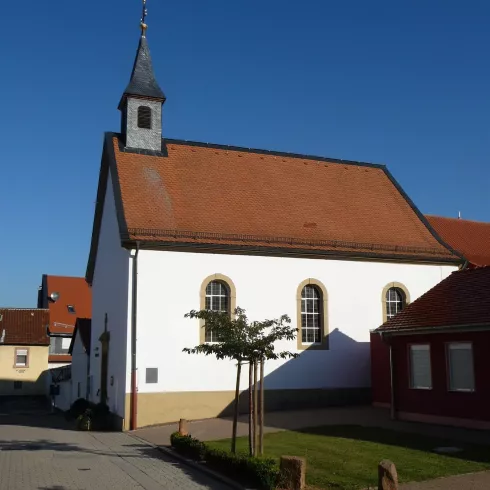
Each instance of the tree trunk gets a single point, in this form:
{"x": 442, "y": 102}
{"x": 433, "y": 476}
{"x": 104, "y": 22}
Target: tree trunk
{"x": 261, "y": 413}
{"x": 256, "y": 406}
{"x": 235, "y": 414}
{"x": 250, "y": 408}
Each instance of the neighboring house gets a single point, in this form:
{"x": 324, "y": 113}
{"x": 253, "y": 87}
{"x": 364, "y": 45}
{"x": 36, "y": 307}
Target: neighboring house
{"x": 80, "y": 352}
{"x": 24, "y": 345}
{"x": 180, "y": 225}
{"x": 470, "y": 238}
{"x": 67, "y": 299}
{"x": 438, "y": 347}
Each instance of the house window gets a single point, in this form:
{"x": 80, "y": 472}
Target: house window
{"x": 17, "y": 385}
{"x": 311, "y": 315}
{"x": 144, "y": 117}
{"x": 420, "y": 367}
{"x": 217, "y": 299}
{"x": 59, "y": 345}
{"x": 21, "y": 358}
{"x": 460, "y": 366}
{"x": 71, "y": 309}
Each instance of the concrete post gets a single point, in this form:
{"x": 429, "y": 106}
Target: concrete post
{"x": 292, "y": 473}
{"x": 387, "y": 476}
{"x": 183, "y": 427}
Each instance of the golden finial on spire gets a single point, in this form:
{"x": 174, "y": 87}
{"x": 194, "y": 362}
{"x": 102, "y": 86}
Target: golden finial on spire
{"x": 143, "y": 19}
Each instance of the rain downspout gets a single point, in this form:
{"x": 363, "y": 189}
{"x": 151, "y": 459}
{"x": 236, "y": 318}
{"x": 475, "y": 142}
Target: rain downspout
{"x": 134, "y": 302}
{"x": 392, "y": 377}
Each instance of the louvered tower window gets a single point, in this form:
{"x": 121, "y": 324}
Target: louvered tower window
{"x": 144, "y": 117}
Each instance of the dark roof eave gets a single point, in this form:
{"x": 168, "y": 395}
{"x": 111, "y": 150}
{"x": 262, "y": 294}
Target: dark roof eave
{"x": 263, "y": 250}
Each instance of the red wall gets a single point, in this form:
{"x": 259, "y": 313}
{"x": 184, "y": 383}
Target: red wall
{"x": 438, "y": 401}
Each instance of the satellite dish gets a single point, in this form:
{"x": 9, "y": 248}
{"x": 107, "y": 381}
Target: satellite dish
{"x": 55, "y": 296}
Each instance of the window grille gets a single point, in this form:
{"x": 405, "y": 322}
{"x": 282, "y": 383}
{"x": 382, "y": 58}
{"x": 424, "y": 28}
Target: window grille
{"x": 311, "y": 315}
{"x": 395, "y": 302}
{"x": 217, "y": 299}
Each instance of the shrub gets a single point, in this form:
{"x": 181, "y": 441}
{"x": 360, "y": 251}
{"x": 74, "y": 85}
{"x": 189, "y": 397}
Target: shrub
{"x": 96, "y": 417}
{"x": 257, "y": 472}
{"x": 188, "y": 446}
{"x": 78, "y": 407}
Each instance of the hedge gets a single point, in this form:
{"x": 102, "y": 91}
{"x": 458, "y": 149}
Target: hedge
{"x": 260, "y": 473}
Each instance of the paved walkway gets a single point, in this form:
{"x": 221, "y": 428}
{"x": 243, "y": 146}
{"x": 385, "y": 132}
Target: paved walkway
{"x": 40, "y": 454}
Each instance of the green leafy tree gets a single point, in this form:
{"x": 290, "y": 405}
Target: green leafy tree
{"x": 245, "y": 342}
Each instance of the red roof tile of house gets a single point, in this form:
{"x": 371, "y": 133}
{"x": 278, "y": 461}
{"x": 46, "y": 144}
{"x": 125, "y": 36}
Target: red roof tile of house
{"x": 24, "y": 326}
{"x": 200, "y": 195}
{"x": 73, "y": 292}
{"x": 460, "y": 300}
{"x": 470, "y": 238}
{"x": 83, "y": 328}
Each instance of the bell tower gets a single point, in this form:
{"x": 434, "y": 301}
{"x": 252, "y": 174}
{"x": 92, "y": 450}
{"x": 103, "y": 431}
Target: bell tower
{"x": 142, "y": 101}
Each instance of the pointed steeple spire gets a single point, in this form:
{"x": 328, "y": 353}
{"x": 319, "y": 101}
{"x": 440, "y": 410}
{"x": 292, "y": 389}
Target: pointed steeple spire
{"x": 141, "y": 102}
{"x": 143, "y": 82}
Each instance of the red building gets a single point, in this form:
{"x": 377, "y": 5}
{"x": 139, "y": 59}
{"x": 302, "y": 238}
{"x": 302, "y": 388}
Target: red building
{"x": 67, "y": 299}
{"x": 431, "y": 362}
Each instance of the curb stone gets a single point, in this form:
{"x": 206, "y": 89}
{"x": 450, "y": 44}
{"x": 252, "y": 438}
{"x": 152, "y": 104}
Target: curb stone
{"x": 197, "y": 466}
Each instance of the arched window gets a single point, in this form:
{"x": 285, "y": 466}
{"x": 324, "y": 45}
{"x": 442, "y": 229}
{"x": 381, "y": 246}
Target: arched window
{"x": 312, "y": 315}
{"x": 395, "y": 298}
{"x": 218, "y": 293}
{"x": 144, "y": 117}
{"x": 217, "y": 299}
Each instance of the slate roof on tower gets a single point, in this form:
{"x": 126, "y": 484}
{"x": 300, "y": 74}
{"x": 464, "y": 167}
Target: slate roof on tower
{"x": 143, "y": 82}
{"x": 470, "y": 238}
{"x": 221, "y": 198}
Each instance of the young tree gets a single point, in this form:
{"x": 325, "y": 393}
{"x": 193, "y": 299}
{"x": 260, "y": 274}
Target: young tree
{"x": 244, "y": 342}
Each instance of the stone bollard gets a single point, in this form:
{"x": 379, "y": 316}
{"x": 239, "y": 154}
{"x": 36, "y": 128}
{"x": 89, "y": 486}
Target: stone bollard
{"x": 183, "y": 430}
{"x": 292, "y": 473}
{"x": 387, "y": 476}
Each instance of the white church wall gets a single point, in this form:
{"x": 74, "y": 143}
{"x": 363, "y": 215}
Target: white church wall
{"x": 79, "y": 361}
{"x": 110, "y": 295}
{"x": 169, "y": 286}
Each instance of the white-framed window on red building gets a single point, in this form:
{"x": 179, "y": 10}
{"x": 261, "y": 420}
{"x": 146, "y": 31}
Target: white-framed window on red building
{"x": 460, "y": 366}
{"x": 420, "y": 367}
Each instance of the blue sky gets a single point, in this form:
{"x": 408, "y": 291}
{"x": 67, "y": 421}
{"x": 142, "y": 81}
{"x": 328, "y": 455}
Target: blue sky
{"x": 406, "y": 84}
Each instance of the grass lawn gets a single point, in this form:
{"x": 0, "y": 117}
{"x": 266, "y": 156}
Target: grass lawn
{"x": 346, "y": 457}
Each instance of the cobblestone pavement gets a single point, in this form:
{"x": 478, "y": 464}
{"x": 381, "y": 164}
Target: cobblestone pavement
{"x": 53, "y": 458}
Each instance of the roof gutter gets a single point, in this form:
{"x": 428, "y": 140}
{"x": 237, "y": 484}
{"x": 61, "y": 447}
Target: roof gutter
{"x": 133, "y": 399}
{"x": 428, "y": 330}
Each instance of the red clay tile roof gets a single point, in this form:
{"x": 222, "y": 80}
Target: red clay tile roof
{"x": 461, "y": 300}
{"x": 470, "y": 238}
{"x": 24, "y": 326}
{"x": 74, "y": 291}
{"x": 208, "y": 195}
{"x": 83, "y": 328}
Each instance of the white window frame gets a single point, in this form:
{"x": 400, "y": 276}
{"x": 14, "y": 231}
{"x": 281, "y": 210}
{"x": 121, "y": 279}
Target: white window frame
{"x": 305, "y": 314}
{"x": 467, "y": 346}
{"x": 17, "y": 353}
{"x": 399, "y": 303}
{"x": 223, "y": 298}
{"x": 420, "y": 347}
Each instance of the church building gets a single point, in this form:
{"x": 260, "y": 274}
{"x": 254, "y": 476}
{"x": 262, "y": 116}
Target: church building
{"x": 182, "y": 225}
